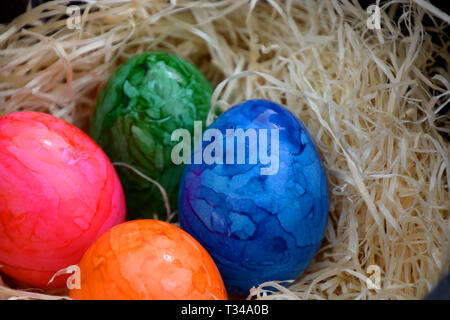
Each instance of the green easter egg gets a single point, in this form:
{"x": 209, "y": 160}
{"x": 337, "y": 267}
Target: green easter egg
{"x": 146, "y": 99}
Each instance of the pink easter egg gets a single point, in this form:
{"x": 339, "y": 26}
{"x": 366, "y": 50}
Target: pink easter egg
{"x": 58, "y": 193}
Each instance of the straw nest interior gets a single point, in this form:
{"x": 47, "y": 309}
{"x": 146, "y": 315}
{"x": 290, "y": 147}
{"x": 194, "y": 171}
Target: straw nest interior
{"x": 372, "y": 100}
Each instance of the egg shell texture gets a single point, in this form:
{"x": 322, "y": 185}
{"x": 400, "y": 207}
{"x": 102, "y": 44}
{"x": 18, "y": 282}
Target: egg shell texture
{"x": 58, "y": 193}
{"x": 258, "y": 227}
{"x": 146, "y": 99}
{"x": 148, "y": 260}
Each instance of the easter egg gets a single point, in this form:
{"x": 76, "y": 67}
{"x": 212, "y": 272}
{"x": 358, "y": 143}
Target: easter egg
{"x": 58, "y": 194}
{"x": 259, "y": 202}
{"x": 146, "y": 99}
{"x": 148, "y": 260}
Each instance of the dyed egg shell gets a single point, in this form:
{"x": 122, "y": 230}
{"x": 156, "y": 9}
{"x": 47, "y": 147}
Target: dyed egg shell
{"x": 58, "y": 194}
{"x": 146, "y": 99}
{"x": 148, "y": 260}
{"x": 258, "y": 227}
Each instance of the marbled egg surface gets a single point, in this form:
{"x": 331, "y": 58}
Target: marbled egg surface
{"x": 58, "y": 193}
{"x": 146, "y": 99}
{"x": 258, "y": 227}
{"x": 148, "y": 260}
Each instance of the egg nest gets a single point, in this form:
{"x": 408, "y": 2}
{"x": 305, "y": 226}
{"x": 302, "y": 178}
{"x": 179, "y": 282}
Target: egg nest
{"x": 374, "y": 100}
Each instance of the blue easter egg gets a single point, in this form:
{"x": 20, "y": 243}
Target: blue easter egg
{"x": 262, "y": 215}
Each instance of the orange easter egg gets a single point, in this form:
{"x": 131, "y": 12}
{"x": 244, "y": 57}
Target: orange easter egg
{"x": 148, "y": 260}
